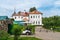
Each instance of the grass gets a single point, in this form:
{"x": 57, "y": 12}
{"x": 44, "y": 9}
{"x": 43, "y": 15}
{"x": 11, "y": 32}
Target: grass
{"x": 26, "y": 38}
{"x": 29, "y": 38}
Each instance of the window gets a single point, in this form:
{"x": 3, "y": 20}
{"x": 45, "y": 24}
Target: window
{"x": 15, "y": 17}
{"x": 34, "y": 22}
{"x": 38, "y": 16}
{"x": 33, "y": 16}
{"x": 19, "y": 16}
{"x": 38, "y": 22}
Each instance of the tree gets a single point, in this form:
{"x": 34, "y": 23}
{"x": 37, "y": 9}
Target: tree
{"x": 4, "y": 35}
{"x": 16, "y": 31}
{"x": 32, "y": 9}
{"x": 52, "y": 22}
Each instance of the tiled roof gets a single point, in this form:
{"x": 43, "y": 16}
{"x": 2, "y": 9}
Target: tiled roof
{"x": 35, "y": 12}
{"x": 25, "y": 13}
{"x": 20, "y": 14}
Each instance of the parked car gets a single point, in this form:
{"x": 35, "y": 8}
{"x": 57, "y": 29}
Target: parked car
{"x": 27, "y": 32}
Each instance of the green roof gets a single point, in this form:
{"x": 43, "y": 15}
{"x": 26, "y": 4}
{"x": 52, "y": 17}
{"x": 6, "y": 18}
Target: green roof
{"x": 18, "y": 22}
{"x": 3, "y": 17}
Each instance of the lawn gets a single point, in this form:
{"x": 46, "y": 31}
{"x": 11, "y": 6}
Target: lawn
{"x": 26, "y": 38}
{"x": 29, "y": 38}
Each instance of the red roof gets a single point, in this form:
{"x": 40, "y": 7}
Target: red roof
{"x": 26, "y": 13}
{"x": 35, "y": 12}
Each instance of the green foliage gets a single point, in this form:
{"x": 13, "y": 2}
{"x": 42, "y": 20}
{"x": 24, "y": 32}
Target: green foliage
{"x": 22, "y": 28}
{"x": 32, "y": 28}
{"x": 3, "y": 35}
{"x": 52, "y": 22}
{"x": 32, "y": 9}
{"x": 11, "y": 19}
{"x": 10, "y": 28}
{"x": 16, "y": 31}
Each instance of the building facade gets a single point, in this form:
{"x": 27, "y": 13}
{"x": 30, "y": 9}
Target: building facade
{"x": 34, "y": 18}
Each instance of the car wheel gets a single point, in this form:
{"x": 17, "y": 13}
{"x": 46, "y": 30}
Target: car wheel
{"x": 27, "y": 33}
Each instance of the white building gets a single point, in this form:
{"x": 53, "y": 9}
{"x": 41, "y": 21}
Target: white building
{"x": 35, "y": 17}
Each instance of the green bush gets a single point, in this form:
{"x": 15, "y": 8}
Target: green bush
{"x": 24, "y": 27}
{"x": 4, "y": 35}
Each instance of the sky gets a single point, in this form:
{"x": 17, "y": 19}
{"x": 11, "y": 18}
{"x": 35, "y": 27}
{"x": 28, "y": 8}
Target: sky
{"x": 47, "y": 7}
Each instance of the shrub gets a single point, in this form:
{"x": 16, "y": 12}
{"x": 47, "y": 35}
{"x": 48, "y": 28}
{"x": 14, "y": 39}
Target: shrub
{"x": 4, "y": 35}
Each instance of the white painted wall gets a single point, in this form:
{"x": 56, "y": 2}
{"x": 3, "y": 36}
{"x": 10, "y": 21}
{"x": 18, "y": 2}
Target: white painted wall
{"x": 31, "y": 20}
{"x": 36, "y": 19}
{"x": 18, "y": 18}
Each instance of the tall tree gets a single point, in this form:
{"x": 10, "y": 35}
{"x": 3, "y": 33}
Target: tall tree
{"x": 52, "y": 22}
{"x": 32, "y": 9}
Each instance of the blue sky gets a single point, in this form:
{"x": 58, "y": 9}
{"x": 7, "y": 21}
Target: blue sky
{"x": 47, "y": 7}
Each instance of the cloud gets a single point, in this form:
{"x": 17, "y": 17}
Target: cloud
{"x": 57, "y": 4}
{"x": 48, "y": 7}
{"x": 24, "y": 4}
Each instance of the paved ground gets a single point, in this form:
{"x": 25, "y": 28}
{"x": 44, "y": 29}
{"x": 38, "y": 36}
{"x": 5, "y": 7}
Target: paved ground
{"x": 43, "y": 34}
{"x": 27, "y": 36}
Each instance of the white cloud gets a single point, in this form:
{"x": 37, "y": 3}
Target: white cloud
{"x": 57, "y": 3}
{"x": 26, "y": 4}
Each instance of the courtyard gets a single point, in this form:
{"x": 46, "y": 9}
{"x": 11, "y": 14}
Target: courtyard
{"x": 50, "y": 35}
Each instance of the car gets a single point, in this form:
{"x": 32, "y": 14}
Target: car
{"x": 27, "y": 31}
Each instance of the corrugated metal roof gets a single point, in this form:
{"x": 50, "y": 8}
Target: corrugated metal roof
{"x": 3, "y": 17}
